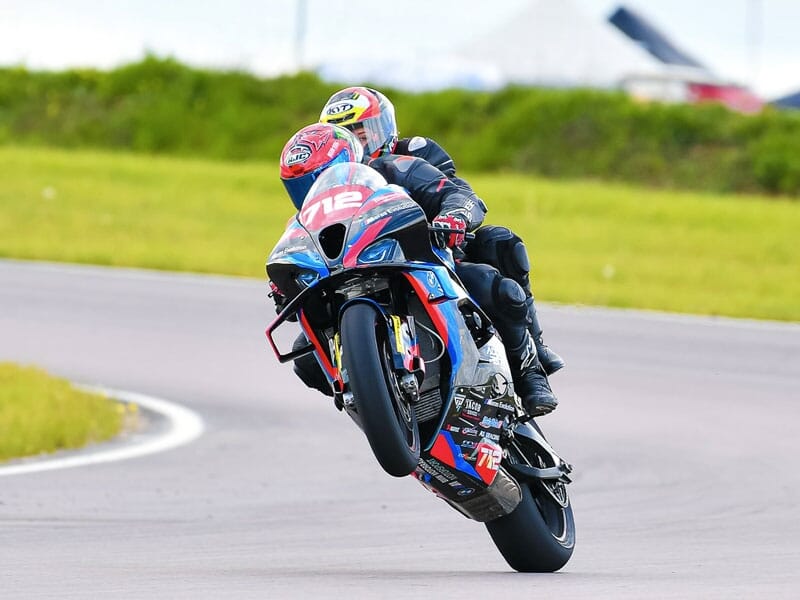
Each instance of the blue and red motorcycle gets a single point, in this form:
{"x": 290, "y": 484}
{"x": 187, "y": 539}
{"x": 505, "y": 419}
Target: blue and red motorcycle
{"x": 416, "y": 363}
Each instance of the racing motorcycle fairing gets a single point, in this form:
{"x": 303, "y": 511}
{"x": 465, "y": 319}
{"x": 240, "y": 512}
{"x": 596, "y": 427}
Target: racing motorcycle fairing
{"x": 349, "y": 220}
{"x": 358, "y": 240}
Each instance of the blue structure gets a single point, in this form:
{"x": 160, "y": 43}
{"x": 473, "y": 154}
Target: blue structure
{"x": 651, "y": 39}
{"x": 790, "y": 101}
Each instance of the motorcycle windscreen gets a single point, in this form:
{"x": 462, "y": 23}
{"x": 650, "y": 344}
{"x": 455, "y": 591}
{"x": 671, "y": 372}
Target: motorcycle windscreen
{"x": 347, "y": 174}
{"x": 337, "y": 195}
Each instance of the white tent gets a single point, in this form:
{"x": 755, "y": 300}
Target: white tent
{"x": 552, "y": 43}
{"x": 416, "y": 73}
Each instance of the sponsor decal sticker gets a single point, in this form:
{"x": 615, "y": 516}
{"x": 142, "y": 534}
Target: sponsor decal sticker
{"x": 472, "y": 406}
{"x": 297, "y": 155}
{"x": 501, "y": 405}
{"x": 499, "y": 385}
{"x": 489, "y": 457}
{"x": 339, "y": 108}
{"x": 488, "y": 422}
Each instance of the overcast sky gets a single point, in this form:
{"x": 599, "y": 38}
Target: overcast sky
{"x": 751, "y": 41}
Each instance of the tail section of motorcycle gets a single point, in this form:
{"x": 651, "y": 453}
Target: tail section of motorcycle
{"x": 482, "y": 459}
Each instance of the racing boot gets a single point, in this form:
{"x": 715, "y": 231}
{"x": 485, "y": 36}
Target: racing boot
{"x": 550, "y": 361}
{"x": 530, "y": 379}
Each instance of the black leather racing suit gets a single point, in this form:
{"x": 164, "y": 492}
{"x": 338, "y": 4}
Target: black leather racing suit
{"x": 493, "y": 245}
{"x": 502, "y": 298}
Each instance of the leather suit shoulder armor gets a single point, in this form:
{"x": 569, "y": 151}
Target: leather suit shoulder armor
{"x": 429, "y": 150}
{"x": 429, "y": 187}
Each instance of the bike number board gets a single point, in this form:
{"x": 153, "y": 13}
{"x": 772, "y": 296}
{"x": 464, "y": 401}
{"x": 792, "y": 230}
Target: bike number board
{"x": 338, "y": 204}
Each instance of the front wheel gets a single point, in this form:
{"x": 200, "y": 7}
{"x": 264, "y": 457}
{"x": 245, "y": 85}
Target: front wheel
{"x": 388, "y": 421}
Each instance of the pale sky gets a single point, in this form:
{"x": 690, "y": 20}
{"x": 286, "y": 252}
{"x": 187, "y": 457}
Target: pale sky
{"x": 750, "y": 41}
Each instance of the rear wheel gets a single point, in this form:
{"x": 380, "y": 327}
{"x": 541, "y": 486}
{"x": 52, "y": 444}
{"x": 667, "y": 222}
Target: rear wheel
{"x": 387, "y": 419}
{"x": 539, "y": 536}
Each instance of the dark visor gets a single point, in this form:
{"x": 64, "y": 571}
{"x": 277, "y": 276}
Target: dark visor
{"x": 299, "y": 186}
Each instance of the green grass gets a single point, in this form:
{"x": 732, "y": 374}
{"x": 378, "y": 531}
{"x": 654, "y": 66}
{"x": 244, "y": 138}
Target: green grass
{"x": 591, "y": 243}
{"x": 614, "y": 245}
{"x": 40, "y": 413}
{"x": 122, "y": 209}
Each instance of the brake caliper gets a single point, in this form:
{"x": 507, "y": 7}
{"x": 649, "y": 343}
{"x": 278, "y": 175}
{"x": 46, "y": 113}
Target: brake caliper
{"x": 408, "y": 363}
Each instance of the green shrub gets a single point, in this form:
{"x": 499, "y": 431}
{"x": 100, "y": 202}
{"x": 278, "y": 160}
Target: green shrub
{"x": 161, "y": 106}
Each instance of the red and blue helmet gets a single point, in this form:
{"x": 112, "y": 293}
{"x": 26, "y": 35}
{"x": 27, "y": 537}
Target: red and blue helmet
{"x": 367, "y": 113}
{"x": 312, "y": 150}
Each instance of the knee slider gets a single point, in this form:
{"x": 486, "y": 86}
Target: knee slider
{"x": 516, "y": 264}
{"x": 492, "y": 234}
{"x": 510, "y": 299}
{"x": 504, "y": 250}
{"x": 518, "y": 257}
{"x": 487, "y": 247}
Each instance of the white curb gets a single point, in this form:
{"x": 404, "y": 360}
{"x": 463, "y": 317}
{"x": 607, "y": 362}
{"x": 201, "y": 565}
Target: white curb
{"x": 184, "y": 426}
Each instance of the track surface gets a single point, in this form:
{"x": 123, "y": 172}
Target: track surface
{"x": 683, "y": 432}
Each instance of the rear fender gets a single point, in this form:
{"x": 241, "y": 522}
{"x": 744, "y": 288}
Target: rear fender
{"x": 559, "y": 469}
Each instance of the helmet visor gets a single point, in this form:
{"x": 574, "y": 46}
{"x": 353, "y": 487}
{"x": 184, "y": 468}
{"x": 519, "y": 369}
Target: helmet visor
{"x": 298, "y": 187}
{"x": 376, "y": 134}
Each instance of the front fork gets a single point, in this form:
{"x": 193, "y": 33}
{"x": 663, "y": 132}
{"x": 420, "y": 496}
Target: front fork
{"x": 406, "y": 361}
{"x": 408, "y": 364}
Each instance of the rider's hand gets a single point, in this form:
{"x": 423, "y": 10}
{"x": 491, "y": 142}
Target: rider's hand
{"x": 451, "y": 221}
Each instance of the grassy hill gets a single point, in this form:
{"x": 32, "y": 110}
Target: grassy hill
{"x": 591, "y": 243}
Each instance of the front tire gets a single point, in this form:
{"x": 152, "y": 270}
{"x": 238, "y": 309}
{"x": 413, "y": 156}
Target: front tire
{"x": 387, "y": 419}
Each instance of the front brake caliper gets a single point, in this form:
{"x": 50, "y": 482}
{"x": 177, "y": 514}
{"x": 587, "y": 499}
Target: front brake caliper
{"x": 408, "y": 363}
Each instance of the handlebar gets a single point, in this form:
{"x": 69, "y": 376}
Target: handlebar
{"x": 467, "y": 235}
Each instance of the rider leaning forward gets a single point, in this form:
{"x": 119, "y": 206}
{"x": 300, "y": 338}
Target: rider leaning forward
{"x": 493, "y": 266}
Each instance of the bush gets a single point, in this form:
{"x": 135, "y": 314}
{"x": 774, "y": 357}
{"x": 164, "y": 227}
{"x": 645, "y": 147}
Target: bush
{"x": 161, "y": 106}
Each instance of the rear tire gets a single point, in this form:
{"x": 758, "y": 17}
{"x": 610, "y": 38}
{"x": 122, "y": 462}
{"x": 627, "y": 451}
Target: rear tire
{"x": 388, "y": 421}
{"x": 526, "y": 540}
{"x": 539, "y": 535}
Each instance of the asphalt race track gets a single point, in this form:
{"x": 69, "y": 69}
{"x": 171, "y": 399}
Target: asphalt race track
{"x": 684, "y": 433}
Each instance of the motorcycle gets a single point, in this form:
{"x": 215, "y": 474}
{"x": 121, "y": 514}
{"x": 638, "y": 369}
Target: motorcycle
{"x": 416, "y": 363}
